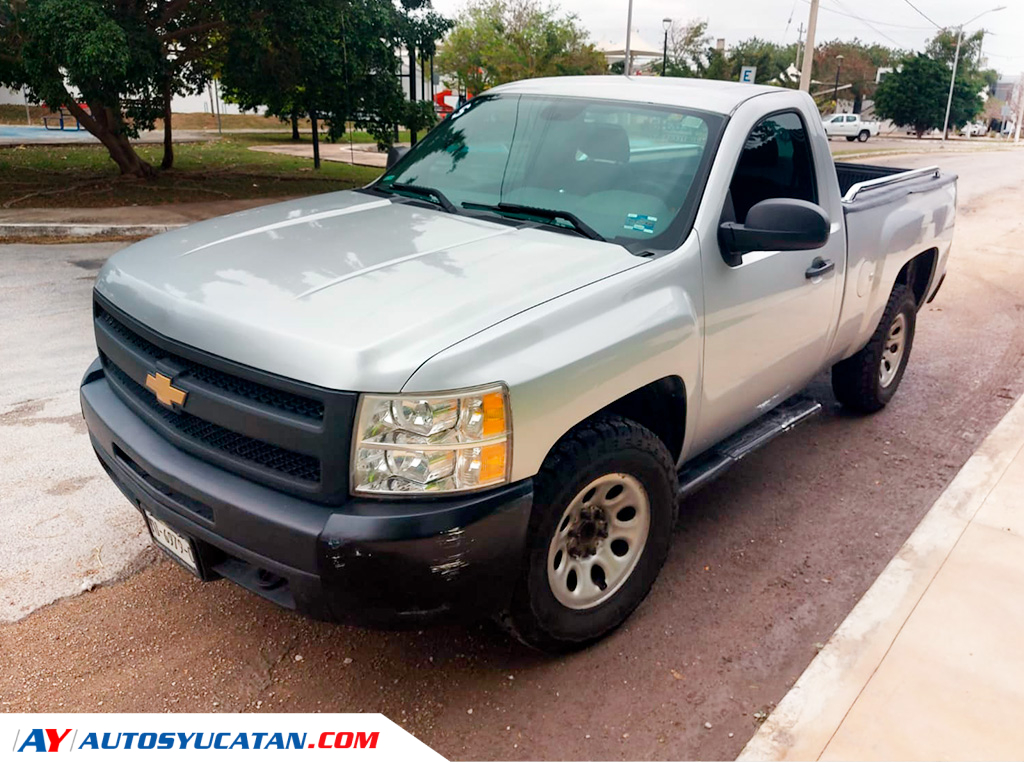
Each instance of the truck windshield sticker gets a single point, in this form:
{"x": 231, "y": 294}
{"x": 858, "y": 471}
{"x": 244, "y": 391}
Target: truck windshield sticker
{"x": 640, "y": 222}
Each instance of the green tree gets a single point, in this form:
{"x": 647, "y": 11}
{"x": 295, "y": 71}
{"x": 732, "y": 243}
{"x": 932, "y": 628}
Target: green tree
{"x": 333, "y": 60}
{"x": 915, "y": 95}
{"x": 498, "y": 41}
{"x": 942, "y": 47}
{"x": 771, "y": 60}
{"x": 691, "y": 54}
{"x": 689, "y": 50}
{"x": 114, "y": 64}
{"x": 859, "y": 67}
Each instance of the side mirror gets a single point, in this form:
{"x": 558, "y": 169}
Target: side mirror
{"x": 779, "y": 224}
{"x": 395, "y": 154}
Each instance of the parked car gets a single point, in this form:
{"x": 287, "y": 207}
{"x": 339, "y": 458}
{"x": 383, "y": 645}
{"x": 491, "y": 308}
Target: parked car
{"x": 974, "y": 129}
{"x": 483, "y": 383}
{"x": 850, "y": 126}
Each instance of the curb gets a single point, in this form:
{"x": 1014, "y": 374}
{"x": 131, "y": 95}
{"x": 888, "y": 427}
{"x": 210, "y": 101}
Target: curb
{"x": 97, "y": 231}
{"x": 805, "y": 721}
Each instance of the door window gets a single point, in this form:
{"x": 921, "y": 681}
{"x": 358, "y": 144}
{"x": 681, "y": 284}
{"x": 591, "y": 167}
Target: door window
{"x": 851, "y": 118}
{"x": 776, "y": 162}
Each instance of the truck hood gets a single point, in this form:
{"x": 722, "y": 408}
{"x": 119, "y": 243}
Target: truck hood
{"x": 345, "y": 290}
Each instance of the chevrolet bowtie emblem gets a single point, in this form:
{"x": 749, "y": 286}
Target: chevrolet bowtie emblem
{"x": 166, "y": 393}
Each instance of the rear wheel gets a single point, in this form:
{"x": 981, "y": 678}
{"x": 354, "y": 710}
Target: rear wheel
{"x": 867, "y": 381}
{"x": 604, "y": 508}
{"x": 863, "y": 135}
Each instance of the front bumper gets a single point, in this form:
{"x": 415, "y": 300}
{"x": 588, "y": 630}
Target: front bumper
{"x": 365, "y": 562}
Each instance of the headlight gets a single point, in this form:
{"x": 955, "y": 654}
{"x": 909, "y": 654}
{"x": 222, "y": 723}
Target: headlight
{"x": 454, "y": 441}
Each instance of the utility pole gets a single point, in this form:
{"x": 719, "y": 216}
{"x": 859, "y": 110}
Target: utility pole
{"x": 835, "y": 93}
{"x": 629, "y": 29}
{"x": 808, "y": 63}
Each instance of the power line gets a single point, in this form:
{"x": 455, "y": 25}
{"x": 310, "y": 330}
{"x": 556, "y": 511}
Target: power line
{"x": 1003, "y": 55}
{"x": 868, "y": 23}
{"x": 929, "y": 19}
{"x": 789, "y": 21}
{"x": 872, "y": 21}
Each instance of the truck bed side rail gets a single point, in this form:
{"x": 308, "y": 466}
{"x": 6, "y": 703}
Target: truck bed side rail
{"x": 931, "y": 171}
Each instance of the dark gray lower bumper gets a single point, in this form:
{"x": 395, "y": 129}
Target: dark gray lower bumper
{"x": 364, "y": 562}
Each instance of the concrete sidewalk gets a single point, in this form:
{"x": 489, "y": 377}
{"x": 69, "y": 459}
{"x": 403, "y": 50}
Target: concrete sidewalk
{"x": 340, "y": 152}
{"x": 929, "y": 665}
{"x": 124, "y": 221}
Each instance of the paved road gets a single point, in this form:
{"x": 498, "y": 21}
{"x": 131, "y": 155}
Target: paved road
{"x": 766, "y": 562}
{"x": 62, "y": 525}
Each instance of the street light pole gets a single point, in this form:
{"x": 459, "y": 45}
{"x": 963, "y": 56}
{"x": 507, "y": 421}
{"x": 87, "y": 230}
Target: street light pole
{"x": 666, "y": 23}
{"x": 952, "y": 81}
{"x": 835, "y": 92}
{"x": 956, "y": 61}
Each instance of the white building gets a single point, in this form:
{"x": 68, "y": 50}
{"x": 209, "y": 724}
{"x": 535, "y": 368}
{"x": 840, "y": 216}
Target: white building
{"x": 197, "y": 103}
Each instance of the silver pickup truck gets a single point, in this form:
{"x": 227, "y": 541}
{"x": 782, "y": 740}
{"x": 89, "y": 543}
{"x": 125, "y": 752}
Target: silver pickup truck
{"x": 483, "y": 384}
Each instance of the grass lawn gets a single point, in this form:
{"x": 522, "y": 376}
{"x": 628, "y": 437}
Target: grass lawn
{"x": 38, "y": 176}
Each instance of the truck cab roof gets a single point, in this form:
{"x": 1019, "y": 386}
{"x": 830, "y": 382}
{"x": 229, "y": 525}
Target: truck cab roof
{"x": 720, "y": 96}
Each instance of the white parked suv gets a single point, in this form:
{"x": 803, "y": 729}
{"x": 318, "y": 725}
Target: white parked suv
{"x": 850, "y": 126}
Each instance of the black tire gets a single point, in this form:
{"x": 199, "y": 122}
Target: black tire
{"x": 598, "y": 447}
{"x": 851, "y": 138}
{"x": 863, "y": 135}
{"x": 857, "y": 381}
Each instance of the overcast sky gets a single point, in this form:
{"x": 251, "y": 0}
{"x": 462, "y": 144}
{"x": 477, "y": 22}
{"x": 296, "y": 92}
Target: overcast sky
{"x": 890, "y": 22}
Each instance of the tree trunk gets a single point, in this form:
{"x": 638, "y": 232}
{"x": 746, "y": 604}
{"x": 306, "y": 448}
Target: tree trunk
{"x": 316, "y": 139}
{"x": 168, "y": 159}
{"x": 105, "y": 126}
{"x": 295, "y": 126}
{"x": 858, "y": 102}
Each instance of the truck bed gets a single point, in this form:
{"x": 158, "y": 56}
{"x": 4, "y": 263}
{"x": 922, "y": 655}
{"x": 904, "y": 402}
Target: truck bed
{"x": 854, "y": 173}
{"x": 870, "y": 185}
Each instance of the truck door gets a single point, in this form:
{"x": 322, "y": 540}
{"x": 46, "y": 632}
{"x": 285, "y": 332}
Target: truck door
{"x": 769, "y": 320}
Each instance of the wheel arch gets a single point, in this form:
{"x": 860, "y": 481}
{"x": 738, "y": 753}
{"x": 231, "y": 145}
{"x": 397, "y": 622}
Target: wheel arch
{"x": 661, "y": 407}
{"x": 917, "y": 274}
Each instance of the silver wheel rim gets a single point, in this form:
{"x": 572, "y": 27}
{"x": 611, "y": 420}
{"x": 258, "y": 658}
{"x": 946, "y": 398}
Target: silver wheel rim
{"x": 892, "y": 352}
{"x": 599, "y": 540}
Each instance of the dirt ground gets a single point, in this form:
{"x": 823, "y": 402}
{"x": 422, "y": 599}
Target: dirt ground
{"x": 766, "y": 562}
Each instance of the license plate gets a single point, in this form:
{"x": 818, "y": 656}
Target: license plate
{"x": 178, "y": 546}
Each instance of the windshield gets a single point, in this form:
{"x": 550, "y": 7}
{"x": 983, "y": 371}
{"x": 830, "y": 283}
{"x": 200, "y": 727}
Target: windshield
{"x": 623, "y": 172}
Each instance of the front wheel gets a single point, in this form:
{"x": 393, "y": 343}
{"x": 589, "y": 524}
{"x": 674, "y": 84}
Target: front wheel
{"x": 604, "y": 509}
{"x": 867, "y": 381}
{"x": 863, "y": 136}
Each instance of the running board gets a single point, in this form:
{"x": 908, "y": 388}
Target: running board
{"x": 714, "y": 461}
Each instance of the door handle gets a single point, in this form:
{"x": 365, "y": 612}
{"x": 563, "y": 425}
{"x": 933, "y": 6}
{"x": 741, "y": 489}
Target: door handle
{"x": 819, "y": 267}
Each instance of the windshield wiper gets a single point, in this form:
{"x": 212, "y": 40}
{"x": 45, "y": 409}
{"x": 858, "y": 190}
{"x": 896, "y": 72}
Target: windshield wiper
{"x": 416, "y": 189}
{"x": 544, "y": 213}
